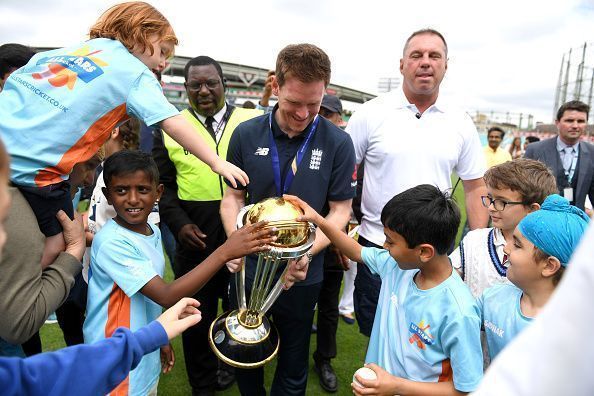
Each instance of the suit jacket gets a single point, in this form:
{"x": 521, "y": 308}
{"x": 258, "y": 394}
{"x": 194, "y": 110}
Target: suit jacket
{"x": 546, "y": 152}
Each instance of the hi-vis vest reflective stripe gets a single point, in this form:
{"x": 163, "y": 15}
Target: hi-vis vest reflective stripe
{"x": 195, "y": 180}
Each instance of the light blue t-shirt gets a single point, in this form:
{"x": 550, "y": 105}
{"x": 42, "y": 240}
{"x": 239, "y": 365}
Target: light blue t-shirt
{"x": 60, "y": 107}
{"x": 122, "y": 262}
{"x": 502, "y": 316}
{"x": 424, "y": 335}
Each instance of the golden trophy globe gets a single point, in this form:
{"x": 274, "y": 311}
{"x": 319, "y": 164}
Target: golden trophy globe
{"x": 245, "y": 338}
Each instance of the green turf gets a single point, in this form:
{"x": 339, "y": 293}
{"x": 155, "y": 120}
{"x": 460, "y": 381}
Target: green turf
{"x": 351, "y": 347}
{"x": 351, "y": 353}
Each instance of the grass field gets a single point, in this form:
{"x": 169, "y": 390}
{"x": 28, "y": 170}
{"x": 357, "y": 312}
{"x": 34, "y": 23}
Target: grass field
{"x": 351, "y": 349}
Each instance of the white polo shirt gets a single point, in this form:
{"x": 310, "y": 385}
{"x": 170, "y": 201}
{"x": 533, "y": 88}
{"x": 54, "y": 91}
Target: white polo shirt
{"x": 402, "y": 151}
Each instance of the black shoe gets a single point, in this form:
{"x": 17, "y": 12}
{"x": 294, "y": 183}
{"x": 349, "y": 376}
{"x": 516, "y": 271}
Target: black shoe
{"x": 328, "y": 380}
{"x": 348, "y": 319}
{"x": 224, "y": 380}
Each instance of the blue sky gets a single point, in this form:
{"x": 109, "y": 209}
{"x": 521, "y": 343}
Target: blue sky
{"x": 504, "y": 55}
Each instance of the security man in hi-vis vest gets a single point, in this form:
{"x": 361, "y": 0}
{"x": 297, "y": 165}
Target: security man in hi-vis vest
{"x": 190, "y": 208}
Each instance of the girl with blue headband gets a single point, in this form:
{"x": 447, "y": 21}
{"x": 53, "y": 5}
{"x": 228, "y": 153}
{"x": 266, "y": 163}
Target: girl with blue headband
{"x": 543, "y": 243}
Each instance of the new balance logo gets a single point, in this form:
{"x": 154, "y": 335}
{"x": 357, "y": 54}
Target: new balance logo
{"x": 316, "y": 159}
{"x": 262, "y": 151}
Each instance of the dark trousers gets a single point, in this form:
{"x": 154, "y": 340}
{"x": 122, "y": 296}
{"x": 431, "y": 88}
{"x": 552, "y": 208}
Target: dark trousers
{"x": 292, "y": 314}
{"x": 366, "y": 294}
{"x": 201, "y": 362}
{"x": 328, "y": 309}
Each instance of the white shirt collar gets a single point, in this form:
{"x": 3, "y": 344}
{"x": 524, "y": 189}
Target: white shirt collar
{"x": 402, "y": 102}
{"x": 561, "y": 145}
{"x": 218, "y": 117}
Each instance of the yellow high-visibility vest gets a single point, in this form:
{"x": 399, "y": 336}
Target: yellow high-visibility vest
{"x": 195, "y": 180}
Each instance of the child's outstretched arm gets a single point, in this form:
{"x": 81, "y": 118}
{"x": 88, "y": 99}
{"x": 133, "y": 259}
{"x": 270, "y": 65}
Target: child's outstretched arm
{"x": 247, "y": 240}
{"x": 182, "y": 132}
{"x": 348, "y": 246}
{"x": 387, "y": 384}
{"x": 109, "y": 360}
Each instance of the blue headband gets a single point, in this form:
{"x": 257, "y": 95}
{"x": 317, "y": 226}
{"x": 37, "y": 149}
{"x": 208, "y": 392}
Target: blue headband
{"x": 556, "y": 228}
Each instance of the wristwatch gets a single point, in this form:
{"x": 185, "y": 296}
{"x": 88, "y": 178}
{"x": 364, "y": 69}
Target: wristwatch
{"x": 309, "y": 256}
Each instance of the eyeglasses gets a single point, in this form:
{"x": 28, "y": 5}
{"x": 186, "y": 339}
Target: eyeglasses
{"x": 210, "y": 84}
{"x": 498, "y": 204}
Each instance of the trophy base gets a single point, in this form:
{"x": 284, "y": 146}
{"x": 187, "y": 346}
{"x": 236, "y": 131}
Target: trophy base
{"x": 242, "y": 346}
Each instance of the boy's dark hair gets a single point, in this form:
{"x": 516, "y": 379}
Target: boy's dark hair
{"x": 423, "y": 214}
{"x": 532, "y": 139}
{"x": 13, "y": 56}
{"x": 539, "y": 256}
{"x": 129, "y": 161}
{"x": 532, "y": 179}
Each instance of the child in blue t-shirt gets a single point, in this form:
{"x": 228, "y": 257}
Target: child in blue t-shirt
{"x": 58, "y": 109}
{"x": 425, "y": 337}
{"x": 126, "y": 286}
{"x": 542, "y": 246}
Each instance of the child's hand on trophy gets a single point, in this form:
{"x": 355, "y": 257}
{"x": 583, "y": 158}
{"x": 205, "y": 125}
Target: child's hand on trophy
{"x": 309, "y": 214}
{"x": 249, "y": 239}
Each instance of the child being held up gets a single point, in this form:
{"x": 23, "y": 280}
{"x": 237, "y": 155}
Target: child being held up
{"x": 58, "y": 109}
{"x": 425, "y": 336}
{"x": 543, "y": 243}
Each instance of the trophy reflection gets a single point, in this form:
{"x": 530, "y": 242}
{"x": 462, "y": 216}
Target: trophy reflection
{"x": 244, "y": 337}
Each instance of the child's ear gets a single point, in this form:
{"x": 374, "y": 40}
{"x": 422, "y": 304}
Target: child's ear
{"x": 160, "y": 189}
{"x": 426, "y": 252}
{"x": 552, "y": 265}
{"x": 106, "y": 193}
{"x": 534, "y": 207}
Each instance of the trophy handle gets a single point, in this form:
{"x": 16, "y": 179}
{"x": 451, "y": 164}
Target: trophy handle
{"x": 274, "y": 293}
{"x": 240, "y": 286}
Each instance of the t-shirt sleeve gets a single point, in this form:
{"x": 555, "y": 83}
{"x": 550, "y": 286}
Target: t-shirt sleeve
{"x": 147, "y": 102}
{"x": 358, "y": 130}
{"x": 378, "y": 261}
{"x": 125, "y": 264}
{"x": 462, "y": 343}
{"x": 471, "y": 161}
{"x": 343, "y": 180}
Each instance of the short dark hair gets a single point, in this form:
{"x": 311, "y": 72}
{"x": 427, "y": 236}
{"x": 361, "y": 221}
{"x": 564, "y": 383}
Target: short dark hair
{"x": 496, "y": 129}
{"x": 129, "y": 161}
{"x": 426, "y": 31}
{"x": 306, "y": 62}
{"x": 532, "y": 139}
{"x": 573, "y": 105}
{"x": 13, "y": 56}
{"x": 203, "y": 61}
{"x": 423, "y": 214}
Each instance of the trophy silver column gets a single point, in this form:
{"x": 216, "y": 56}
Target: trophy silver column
{"x": 244, "y": 337}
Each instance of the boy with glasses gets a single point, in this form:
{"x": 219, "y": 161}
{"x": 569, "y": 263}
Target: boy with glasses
{"x": 514, "y": 189}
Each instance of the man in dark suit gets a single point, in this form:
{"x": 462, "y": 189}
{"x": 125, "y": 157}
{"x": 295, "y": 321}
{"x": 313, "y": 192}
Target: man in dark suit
{"x": 572, "y": 161}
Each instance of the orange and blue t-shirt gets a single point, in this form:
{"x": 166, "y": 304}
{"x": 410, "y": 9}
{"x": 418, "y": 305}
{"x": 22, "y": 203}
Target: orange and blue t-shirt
{"x": 428, "y": 335}
{"x": 122, "y": 262}
{"x": 60, "y": 107}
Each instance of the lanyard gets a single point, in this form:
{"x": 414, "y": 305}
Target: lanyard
{"x": 280, "y": 187}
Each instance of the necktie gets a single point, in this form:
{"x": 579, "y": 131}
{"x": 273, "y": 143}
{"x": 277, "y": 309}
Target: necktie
{"x": 568, "y": 158}
{"x": 209, "y": 128}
